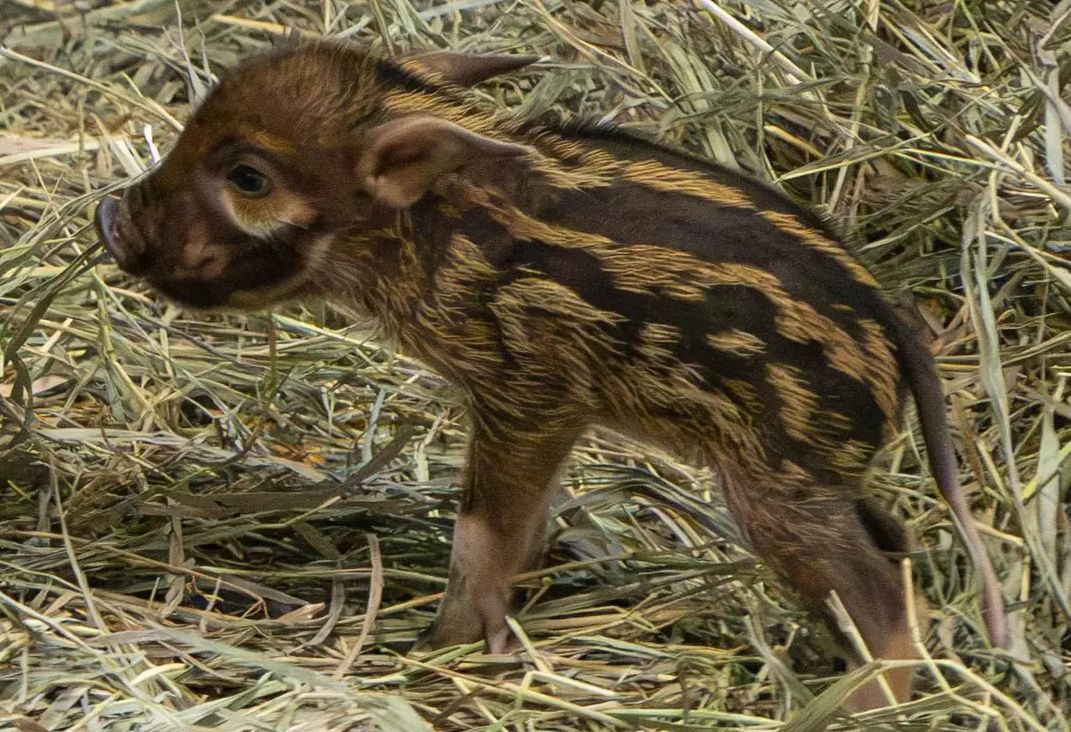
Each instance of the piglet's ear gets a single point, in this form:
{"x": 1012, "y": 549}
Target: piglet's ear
{"x": 404, "y": 157}
{"x": 462, "y": 68}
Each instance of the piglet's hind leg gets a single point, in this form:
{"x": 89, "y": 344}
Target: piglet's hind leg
{"x": 823, "y": 540}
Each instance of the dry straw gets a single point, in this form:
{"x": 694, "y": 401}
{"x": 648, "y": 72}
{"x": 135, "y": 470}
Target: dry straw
{"x": 241, "y": 523}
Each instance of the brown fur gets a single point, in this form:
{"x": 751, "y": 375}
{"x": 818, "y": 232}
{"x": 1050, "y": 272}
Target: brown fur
{"x": 560, "y": 278}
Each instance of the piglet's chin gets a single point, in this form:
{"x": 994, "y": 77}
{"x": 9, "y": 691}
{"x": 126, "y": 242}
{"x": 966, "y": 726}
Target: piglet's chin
{"x": 193, "y": 294}
{"x": 220, "y": 297}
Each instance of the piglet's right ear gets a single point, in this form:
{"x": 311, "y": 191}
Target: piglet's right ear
{"x": 462, "y": 68}
{"x": 404, "y": 158}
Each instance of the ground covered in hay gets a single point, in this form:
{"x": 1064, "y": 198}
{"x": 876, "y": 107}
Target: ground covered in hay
{"x": 241, "y": 523}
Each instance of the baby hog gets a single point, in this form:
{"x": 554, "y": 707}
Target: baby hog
{"x": 561, "y": 277}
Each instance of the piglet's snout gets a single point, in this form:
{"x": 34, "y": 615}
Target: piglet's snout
{"x": 118, "y": 235}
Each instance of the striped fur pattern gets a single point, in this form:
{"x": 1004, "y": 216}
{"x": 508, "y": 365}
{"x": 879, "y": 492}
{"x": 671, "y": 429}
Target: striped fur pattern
{"x": 591, "y": 278}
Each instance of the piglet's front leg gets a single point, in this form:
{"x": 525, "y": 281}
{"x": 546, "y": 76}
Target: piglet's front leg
{"x": 500, "y": 529}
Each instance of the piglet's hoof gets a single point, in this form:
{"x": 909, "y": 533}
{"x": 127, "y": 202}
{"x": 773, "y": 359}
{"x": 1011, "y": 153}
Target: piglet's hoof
{"x": 501, "y": 641}
{"x": 439, "y": 635}
{"x": 422, "y": 645}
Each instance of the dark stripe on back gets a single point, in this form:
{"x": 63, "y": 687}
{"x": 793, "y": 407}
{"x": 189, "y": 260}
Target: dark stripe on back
{"x": 634, "y": 145}
{"x": 714, "y": 233}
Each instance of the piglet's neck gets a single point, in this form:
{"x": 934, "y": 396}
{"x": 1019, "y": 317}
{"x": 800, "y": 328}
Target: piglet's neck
{"x": 446, "y": 251}
{"x": 461, "y": 222}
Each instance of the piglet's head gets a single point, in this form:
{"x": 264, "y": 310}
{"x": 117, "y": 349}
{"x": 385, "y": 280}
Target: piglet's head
{"x": 292, "y": 160}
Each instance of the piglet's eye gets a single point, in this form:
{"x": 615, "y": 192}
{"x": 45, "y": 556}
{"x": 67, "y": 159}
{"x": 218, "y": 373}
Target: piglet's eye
{"x": 249, "y": 181}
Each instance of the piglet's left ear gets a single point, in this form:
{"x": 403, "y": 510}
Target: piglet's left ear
{"x": 404, "y": 158}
